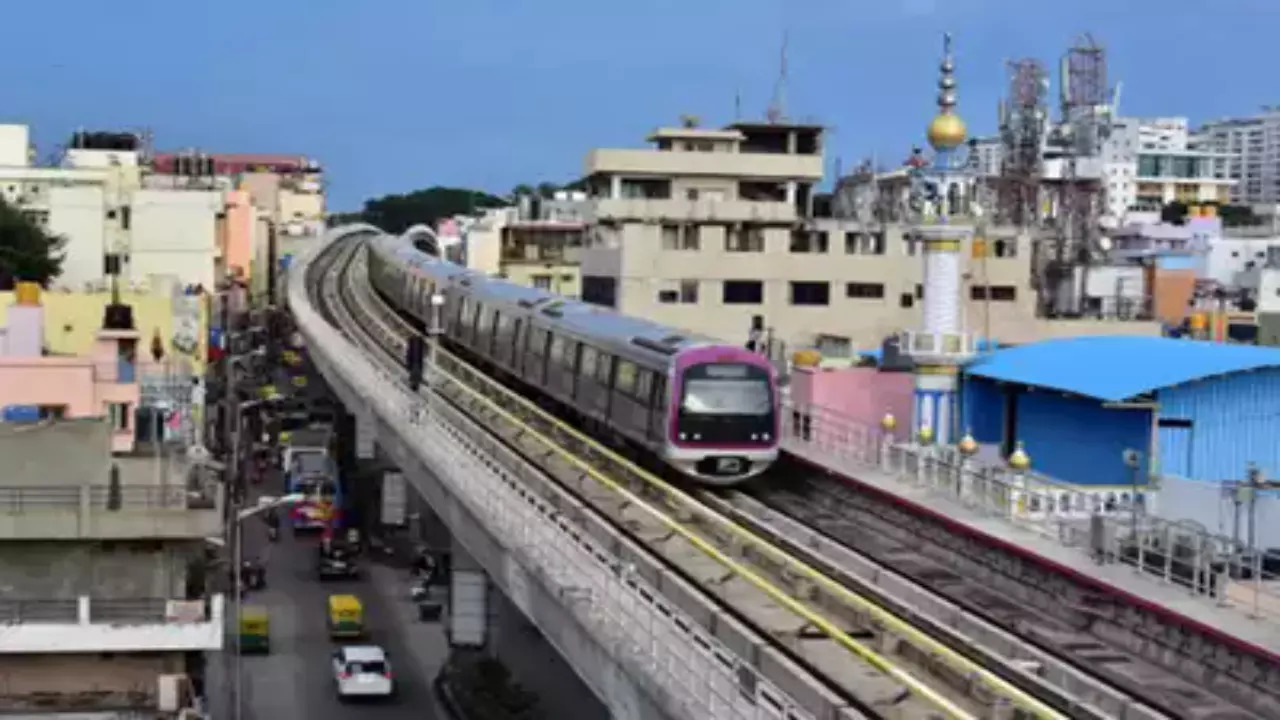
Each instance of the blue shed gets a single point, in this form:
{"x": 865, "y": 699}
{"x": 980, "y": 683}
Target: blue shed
{"x": 1203, "y": 410}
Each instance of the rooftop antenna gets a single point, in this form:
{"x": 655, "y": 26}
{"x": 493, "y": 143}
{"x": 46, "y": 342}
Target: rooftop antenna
{"x": 778, "y": 105}
{"x": 737, "y": 105}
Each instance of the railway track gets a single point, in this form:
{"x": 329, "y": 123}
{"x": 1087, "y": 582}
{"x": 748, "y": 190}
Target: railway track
{"x": 884, "y": 652}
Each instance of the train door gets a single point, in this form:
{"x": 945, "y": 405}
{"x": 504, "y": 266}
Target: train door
{"x": 657, "y": 426}
{"x": 516, "y": 344}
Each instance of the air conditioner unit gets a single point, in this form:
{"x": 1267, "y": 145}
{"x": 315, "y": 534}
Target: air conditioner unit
{"x": 173, "y": 692}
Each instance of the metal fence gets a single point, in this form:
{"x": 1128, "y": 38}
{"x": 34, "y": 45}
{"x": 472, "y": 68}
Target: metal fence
{"x": 108, "y": 611}
{"x": 14, "y": 500}
{"x": 1110, "y": 526}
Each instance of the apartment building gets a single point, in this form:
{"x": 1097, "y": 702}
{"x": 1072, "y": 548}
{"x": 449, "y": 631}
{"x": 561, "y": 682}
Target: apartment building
{"x": 708, "y": 229}
{"x": 98, "y": 201}
{"x": 1247, "y": 151}
{"x": 102, "y": 599}
{"x": 538, "y": 242}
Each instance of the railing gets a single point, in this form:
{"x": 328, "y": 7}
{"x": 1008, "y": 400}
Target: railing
{"x": 19, "y": 499}
{"x": 86, "y": 610}
{"x": 1107, "y": 525}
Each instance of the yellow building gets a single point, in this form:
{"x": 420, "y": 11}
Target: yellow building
{"x": 71, "y": 319}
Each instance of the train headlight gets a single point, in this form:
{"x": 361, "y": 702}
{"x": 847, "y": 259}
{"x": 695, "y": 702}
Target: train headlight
{"x": 697, "y": 436}
{"x": 684, "y": 436}
{"x": 765, "y": 437}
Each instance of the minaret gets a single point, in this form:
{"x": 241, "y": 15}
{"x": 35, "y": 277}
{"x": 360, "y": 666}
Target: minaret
{"x": 942, "y": 224}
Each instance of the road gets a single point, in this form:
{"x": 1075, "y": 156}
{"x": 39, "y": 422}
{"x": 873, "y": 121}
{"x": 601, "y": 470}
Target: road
{"x": 294, "y": 680}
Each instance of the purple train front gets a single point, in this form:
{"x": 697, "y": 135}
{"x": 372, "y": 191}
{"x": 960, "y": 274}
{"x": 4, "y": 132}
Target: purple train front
{"x": 708, "y": 409}
{"x": 722, "y": 424}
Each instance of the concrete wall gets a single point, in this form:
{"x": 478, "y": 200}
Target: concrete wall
{"x": 78, "y": 213}
{"x": 175, "y": 233}
{"x": 859, "y": 395}
{"x": 89, "y": 676}
{"x": 116, "y": 570}
{"x": 65, "y": 453}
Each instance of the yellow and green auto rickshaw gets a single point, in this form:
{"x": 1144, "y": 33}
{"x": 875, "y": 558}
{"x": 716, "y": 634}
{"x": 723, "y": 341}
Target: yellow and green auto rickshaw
{"x": 255, "y": 630}
{"x": 346, "y": 616}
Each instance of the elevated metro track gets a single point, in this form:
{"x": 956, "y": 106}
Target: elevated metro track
{"x": 893, "y": 663}
{"x": 824, "y": 616}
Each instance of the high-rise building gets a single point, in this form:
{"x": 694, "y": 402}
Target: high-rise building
{"x": 1248, "y": 152}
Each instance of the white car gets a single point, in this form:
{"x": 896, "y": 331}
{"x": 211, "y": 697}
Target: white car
{"x": 362, "y": 671}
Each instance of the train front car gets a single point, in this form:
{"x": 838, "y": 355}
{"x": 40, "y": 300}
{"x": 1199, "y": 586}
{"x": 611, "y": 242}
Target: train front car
{"x": 724, "y": 415}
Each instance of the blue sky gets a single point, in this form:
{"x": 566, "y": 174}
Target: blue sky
{"x": 393, "y": 95}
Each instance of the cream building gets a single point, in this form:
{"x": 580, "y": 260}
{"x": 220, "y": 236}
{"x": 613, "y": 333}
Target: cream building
{"x": 707, "y": 229}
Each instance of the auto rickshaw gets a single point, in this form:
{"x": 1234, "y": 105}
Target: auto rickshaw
{"x": 346, "y": 616}
{"x": 255, "y": 630}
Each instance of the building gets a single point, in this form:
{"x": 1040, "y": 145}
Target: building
{"x": 1198, "y": 414}
{"x": 1150, "y": 162}
{"x": 100, "y": 539}
{"x": 544, "y": 254}
{"x": 1247, "y": 152}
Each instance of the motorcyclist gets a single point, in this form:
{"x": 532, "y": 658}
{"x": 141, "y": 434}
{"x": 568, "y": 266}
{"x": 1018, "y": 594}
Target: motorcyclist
{"x": 272, "y": 520}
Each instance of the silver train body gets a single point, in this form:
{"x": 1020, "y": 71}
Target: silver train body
{"x": 708, "y": 409}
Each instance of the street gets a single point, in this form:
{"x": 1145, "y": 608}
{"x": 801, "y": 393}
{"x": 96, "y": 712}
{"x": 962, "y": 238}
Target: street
{"x": 294, "y": 680}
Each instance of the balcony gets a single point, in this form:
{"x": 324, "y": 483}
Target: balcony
{"x": 707, "y": 164}
{"x": 89, "y": 512}
{"x": 703, "y": 210}
{"x": 101, "y": 625}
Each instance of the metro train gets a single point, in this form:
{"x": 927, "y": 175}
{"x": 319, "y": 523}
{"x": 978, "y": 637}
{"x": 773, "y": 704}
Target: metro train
{"x": 707, "y": 409}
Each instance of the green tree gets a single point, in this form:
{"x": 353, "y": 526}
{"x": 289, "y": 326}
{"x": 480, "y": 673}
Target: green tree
{"x": 397, "y": 213}
{"x": 27, "y": 251}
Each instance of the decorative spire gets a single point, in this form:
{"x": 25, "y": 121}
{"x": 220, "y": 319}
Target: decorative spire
{"x": 947, "y": 131}
{"x": 947, "y": 80}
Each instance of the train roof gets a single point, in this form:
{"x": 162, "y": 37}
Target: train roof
{"x": 573, "y": 315}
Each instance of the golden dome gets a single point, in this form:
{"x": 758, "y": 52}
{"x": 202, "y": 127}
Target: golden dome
{"x": 947, "y": 132}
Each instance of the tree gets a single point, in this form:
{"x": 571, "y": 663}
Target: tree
{"x": 27, "y": 251}
{"x": 397, "y": 213}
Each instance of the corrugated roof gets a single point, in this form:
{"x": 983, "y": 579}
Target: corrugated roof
{"x": 1114, "y": 368}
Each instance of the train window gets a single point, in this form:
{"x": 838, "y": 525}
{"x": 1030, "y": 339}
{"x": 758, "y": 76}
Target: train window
{"x": 537, "y": 342}
{"x": 625, "y": 382}
{"x": 604, "y": 367}
{"x": 482, "y": 317}
{"x": 644, "y": 385}
{"x": 570, "y": 357}
{"x": 588, "y": 366}
{"x": 557, "y": 348}
{"x": 462, "y": 312}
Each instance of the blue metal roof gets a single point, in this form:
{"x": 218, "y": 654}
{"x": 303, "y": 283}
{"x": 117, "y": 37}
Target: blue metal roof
{"x": 1113, "y": 368}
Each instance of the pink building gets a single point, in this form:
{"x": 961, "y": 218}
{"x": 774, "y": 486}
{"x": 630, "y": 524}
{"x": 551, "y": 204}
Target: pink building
{"x": 857, "y": 395}
{"x": 36, "y": 386}
{"x": 237, "y": 233}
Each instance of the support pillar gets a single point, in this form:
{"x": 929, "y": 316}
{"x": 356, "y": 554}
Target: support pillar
{"x": 469, "y": 614}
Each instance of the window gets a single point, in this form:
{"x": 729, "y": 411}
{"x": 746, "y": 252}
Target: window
{"x": 864, "y": 291}
{"x": 126, "y": 217}
{"x": 119, "y": 414}
{"x": 919, "y": 291}
{"x": 680, "y": 237}
{"x": 625, "y": 381}
{"x": 810, "y": 293}
{"x": 906, "y": 301}
{"x": 743, "y": 292}
{"x": 686, "y": 293}
{"x": 542, "y": 282}
{"x": 863, "y": 243}
{"x": 748, "y": 238}
{"x": 691, "y": 194}
{"x": 805, "y": 241}
{"x": 600, "y": 290}
{"x": 995, "y": 293}
{"x": 588, "y": 366}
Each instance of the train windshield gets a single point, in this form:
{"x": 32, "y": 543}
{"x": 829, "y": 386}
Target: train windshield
{"x": 727, "y": 389}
